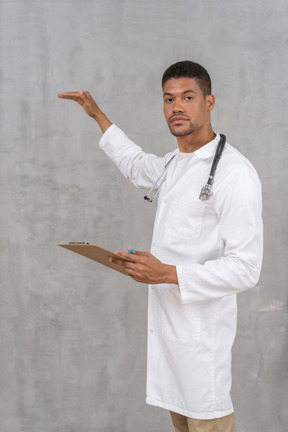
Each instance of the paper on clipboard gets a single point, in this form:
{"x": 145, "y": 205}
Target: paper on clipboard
{"x": 96, "y": 253}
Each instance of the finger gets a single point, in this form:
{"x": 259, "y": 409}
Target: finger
{"x": 120, "y": 261}
{"x": 116, "y": 261}
{"x": 85, "y": 94}
{"x": 131, "y": 257}
{"x": 135, "y": 255}
{"x": 129, "y": 267}
{"x": 141, "y": 253}
{"x": 68, "y": 95}
{"x": 78, "y": 97}
{"x": 123, "y": 254}
{"x": 133, "y": 273}
{"x": 136, "y": 252}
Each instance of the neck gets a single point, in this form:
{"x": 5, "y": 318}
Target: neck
{"x": 195, "y": 140}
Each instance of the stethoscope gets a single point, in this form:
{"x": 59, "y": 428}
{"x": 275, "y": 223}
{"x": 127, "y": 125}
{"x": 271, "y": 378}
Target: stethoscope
{"x": 206, "y": 190}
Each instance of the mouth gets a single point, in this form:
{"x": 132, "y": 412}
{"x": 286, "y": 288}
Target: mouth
{"x": 178, "y": 120}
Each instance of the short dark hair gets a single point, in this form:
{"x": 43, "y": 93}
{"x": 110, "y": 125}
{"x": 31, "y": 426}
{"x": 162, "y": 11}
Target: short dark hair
{"x": 189, "y": 69}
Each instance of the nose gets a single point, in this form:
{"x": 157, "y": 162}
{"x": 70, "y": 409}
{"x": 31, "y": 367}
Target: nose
{"x": 178, "y": 106}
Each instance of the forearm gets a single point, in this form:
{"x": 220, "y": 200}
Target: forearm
{"x": 218, "y": 278}
{"x": 237, "y": 260}
{"x": 140, "y": 168}
{"x": 103, "y": 122}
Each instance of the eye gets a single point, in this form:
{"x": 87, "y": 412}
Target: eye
{"x": 168, "y": 100}
{"x": 189, "y": 98}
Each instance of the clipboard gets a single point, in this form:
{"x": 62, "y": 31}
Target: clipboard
{"x": 96, "y": 253}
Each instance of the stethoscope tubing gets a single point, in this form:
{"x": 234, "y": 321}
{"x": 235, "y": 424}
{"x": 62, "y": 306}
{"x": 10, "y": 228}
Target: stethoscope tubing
{"x": 206, "y": 190}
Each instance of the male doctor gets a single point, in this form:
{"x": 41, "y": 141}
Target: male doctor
{"x": 204, "y": 250}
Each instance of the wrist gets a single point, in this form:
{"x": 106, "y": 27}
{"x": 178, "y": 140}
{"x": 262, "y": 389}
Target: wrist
{"x": 170, "y": 274}
{"x": 103, "y": 122}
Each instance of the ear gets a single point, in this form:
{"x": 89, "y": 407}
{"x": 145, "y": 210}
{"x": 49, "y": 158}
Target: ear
{"x": 210, "y": 102}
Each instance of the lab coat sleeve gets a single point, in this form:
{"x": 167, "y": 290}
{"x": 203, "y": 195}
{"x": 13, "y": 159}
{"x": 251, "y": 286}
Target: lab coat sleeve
{"x": 142, "y": 169}
{"x": 238, "y": 205}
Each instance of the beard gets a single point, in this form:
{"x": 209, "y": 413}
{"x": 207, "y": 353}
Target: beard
{"x": 189, "y": 129}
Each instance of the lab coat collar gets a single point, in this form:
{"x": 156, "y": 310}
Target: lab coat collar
{"x": 208, "y": 150}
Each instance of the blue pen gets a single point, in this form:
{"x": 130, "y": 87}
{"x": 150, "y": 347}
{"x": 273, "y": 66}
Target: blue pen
{"x": 131, "y": 251}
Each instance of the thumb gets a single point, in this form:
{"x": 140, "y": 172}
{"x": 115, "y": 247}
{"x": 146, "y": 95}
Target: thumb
{"x": 135, "y": 252}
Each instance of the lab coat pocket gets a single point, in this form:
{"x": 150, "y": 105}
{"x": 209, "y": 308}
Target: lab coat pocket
{"x": 184, "y": 221}
{"x": 181, "y": 323}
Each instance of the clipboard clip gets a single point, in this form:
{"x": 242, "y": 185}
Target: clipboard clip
{"x": 78, "y": 243}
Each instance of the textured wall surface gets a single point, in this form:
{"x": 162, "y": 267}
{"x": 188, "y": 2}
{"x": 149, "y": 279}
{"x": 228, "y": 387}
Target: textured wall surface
{"x": 72, "y": 333}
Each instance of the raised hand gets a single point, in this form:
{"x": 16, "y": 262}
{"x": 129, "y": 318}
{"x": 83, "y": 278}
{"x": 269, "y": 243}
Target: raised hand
{"x": 89, "y": 105}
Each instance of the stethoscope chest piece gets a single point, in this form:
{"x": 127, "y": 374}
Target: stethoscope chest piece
{"x": 206, "y": 190}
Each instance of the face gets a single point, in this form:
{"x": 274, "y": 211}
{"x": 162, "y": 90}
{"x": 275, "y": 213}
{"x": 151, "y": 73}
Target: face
{"x": 185, "y": 108}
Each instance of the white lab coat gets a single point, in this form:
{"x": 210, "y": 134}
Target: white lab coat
{"x": 216, "y": 246}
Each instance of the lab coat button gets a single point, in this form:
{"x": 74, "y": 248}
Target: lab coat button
{"x": 151, "y": 331}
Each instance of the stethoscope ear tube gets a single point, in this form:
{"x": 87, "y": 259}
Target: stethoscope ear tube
{"x": 206, "y": 190}
{"x": 148, "y": 197}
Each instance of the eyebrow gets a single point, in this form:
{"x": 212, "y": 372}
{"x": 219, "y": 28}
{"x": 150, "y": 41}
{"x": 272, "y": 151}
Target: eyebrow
{"x": 186, "y": 91}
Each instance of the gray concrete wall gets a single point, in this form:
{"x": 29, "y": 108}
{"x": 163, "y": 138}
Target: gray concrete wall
{"x": 73, "y": 334}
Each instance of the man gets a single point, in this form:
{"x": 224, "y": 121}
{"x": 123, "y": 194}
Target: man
{"x": 204, "y": 251}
